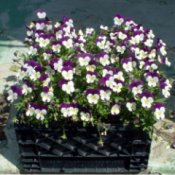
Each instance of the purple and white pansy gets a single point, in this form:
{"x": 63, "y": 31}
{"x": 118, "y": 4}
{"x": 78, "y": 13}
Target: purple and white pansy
{"x": 67, "y": 86}
{"x": 93, "y": 96}
{"x": 136, "y": 87}
{"x": 47, "y": 94}
{"x": 84, "y": 59}
{"x": 91, "y": 76}
{"x": 103, "y": 58}
{"x": 147, "y": 99}
{"x": 14, "y": 93}
{"x": 152, "y": 78}
{"x": 69, "y": 110}
{"x": 159, "y": 110}
{"x": 37, "y": 110}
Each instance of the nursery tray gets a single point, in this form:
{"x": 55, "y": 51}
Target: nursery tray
{"x": 125, "y": 150}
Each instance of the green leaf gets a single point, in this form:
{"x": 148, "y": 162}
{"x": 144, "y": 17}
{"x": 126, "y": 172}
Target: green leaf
{"x": 14, "y": 120}
{"x": 118, "y": 98}
{"x": 161, "y": 100}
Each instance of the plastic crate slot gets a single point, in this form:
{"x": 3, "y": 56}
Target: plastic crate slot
{"x": 58, "y": 151}
{"x": 104, "y": 152}
{"x": 44, "y": 145}
{"x": 68, "y": 146}
{"x": 26, "y": 142}
{"x": 92, "y": 146}
{"x": 29, "y": 160}
{"x": 116, "y": 146}
{"x": 27, "y": 151}
{"x": 31, "y": 165}
{"x": 80, "y": 140}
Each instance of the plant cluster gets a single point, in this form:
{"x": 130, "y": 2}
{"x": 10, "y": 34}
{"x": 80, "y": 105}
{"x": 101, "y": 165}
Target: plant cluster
{"x": 89, "y": 76}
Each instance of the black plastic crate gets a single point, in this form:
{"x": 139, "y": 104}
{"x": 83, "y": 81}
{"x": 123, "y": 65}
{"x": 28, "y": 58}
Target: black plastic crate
{"x": 125, "y": 150}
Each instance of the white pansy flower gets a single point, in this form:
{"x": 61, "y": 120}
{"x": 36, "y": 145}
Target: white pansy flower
{"x": 68, "y": 43}
{"x": 29, "y": 32}
{"x": 90, "y": 78}
{"x": 141, "y": 55}
{"x": 59, "y": 34}
{"x": 118, "y": 21}
{"x": 117, "y": 87}
{"x": 137, "y": 90}
{"x": 30, "y": 111}
{"x": 57, "y": 24}
{"x": 152, "y": 81}
{"x": 104, "y": 27}
{"x": 73, "y": 111}
{"x": 121, "y": 49}
{"x": 154, "y": 66}
{"x": 146, "y": 101}
{"x": 149, "y": 42}
{"x": 43, "y": 42}
{"x": 110, "y": 82}
{"x": 159, "y": 113}
{"x": 21, "y": 74}
{"x": 40, "y": 114}
{"x": 32, "y": 50}
{"x": 128, "y": 66}
{"x": 119, "y": 76}
{"x": 56, "y": 48}
{"x": 12, "y": 96}
{"x": 131, "y": 106}
{"x": 115, "y": 110}
{"x": 84, "y": 61}
{"x": 93, "y": 98}
{"x": 167, "y": 62}
{"x": 58, "y": 65}
{"x": 65, "y": 112}
{"x": 68, "y": 87}
{"x": 69, "y": 111}
{"x": 68, "y": 75}
{"x": 47, "y": 96}
{"x": 150, "y": 34}
{"x": 141, "y": 64}
{"x": 168, "y": 84}
{"x": 35, "y": 75}
{"x": 104, "y": 60}
{"x": 85, "y": 116}
{"x": 91, "y": 68}
{"x": 105, "y": 72}
{"x": 163, "y": 51}
{"x": 114, "y": 59}
{"x": 40, "y": 26}
{"x": 41, "y": 14}
{"x": 49, "y": 27}
{"x": 89, "y": 31}
{"x": 135, "y": 40}
{"x": 26, "y": 89}
{"x": 105, "y": 94}
{"x": 166, "y": 93}
{"x": 46, "y": 56}
{"x": 46, "y": 82}
{"x": 101, "y": 44}
{"x": 152, "y": 54}
{"x": 122, "y": 36}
